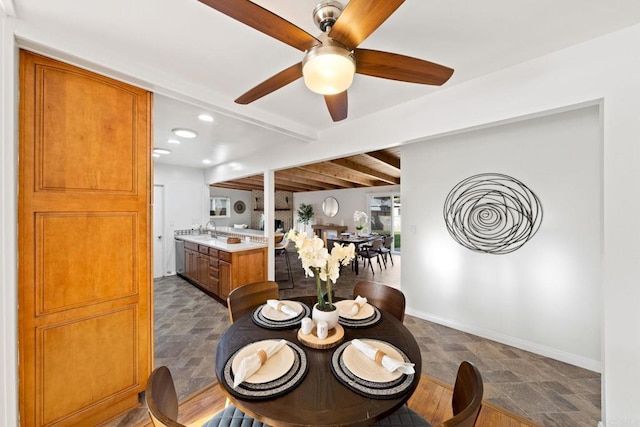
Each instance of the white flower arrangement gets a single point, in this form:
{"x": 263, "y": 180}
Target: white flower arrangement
{"x": 360, "y": 218}
{"x": 318, "y": 262}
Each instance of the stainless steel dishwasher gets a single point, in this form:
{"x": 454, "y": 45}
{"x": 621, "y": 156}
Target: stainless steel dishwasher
{"x": 179, "y": 256}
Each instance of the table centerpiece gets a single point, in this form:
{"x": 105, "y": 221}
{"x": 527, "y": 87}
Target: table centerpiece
{"x": 318, "y": 262}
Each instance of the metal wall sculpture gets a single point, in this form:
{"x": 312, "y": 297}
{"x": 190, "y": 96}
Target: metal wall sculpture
{"x": 492, "y": 213}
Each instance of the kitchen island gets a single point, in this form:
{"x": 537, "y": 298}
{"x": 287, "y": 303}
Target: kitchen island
{"x": 217, "y": 267}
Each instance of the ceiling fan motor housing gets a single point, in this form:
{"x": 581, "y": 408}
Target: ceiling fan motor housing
{"x": 326, "y": 13}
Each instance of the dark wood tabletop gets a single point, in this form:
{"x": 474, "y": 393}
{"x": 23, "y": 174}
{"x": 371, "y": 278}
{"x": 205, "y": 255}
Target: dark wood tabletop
{"x": 357, "y": 241}
{"x": 320, "y": 399}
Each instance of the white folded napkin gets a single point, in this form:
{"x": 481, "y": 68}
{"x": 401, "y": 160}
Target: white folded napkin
{"x": 357, "y": 305}
{"x": 389, "y": 363}
{"x": 280, "y": 306}
{"x": 250, "y": 364}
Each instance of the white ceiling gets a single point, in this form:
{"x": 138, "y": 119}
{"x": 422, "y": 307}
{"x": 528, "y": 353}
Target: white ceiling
{"x": 212, "y": 59}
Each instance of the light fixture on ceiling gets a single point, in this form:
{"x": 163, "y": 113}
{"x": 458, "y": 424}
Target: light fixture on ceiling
{"x": 205, "y": 117}
{"x": 328, "y": 69}
{"x": 206, "y": 161}
{"x": 161, "y": 151}
{"x": 185, "y": 133}
{"x": 173, "y": 141}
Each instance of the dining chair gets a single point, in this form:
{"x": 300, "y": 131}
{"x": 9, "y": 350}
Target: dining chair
{"x": 244, "y": 299}
{"x": 383, "y": 296}
{"x": 162, "y": 404}
{"x": 385, "y": 249}
{"x": 281, "y": 248}
{"x": 368, "y": 252}
{"x": 466, "y": 403}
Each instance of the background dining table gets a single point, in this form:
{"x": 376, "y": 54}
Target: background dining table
{"x": 358, "y": 241}
{"x": 320, "y": 398}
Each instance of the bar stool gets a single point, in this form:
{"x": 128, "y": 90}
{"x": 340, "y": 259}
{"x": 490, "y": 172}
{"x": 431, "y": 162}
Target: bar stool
{"x": 281, "y": 247}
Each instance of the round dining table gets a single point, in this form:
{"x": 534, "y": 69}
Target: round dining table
{"x": 320, "y": 399}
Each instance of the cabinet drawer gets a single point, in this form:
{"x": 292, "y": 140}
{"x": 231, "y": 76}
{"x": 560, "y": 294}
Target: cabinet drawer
{"x": 213, "y": 272}
{"x": 213, "y": 252}
{"x": 224, "y": 256}
{"x": 192, "y": 246}
{"x": 203, "y": 249}
{"x": 213, "y": 263}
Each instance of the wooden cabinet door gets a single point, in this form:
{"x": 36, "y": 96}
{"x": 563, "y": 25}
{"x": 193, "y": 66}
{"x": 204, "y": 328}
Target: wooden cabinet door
{"x": 84, "y": 241}
{"x": 224, "y": 279}
{"x": 203, "y": 270}
{"x": 191, "y": 264}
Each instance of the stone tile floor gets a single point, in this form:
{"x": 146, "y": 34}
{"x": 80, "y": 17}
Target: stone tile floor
{"x": 188, "y": 324}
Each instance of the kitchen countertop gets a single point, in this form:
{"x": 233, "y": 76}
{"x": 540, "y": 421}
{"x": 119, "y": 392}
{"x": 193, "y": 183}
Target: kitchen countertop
{"x": 220, "y": 243}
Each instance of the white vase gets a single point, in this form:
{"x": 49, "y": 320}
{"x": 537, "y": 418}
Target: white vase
{"x": 331, "y": 317}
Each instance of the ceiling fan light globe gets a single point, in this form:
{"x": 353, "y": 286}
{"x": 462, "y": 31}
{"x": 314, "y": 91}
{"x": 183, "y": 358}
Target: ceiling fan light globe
{"x": 328, "y": 70}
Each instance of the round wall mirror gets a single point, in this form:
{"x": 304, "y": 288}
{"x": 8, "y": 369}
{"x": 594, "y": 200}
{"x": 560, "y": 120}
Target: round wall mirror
{"x": 330, "y": 206}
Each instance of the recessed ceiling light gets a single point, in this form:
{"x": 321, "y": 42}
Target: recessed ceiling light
{"x": 185, "y": 133}
{"x": 206, "y": 161}
{"x": 205, "y": 117}
{"x": 173, "y": 141}
{"x": 161, "y": 151}
{"x": 155, "y": 155}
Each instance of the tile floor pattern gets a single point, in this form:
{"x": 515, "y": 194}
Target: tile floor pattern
{"x": 188, "y": 324}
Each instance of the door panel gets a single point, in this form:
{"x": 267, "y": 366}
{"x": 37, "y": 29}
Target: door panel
{"x": 98, "y": 352}
{"x": 71, "y": 252}
{"x": 84, "y": 241}
{"x": 84, "y": 145}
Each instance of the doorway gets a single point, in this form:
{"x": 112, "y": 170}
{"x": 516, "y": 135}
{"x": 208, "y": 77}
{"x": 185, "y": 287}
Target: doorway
{"x": 158, "y": 232}
{"x": 385, "y": 213}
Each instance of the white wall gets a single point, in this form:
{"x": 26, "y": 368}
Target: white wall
{"x": 186, "y": 203}
{"x": 8, "y": 226}
{"x": 349, "y": 201}
{"x": 234, "y": 195}
{"x": 545, "y": 296}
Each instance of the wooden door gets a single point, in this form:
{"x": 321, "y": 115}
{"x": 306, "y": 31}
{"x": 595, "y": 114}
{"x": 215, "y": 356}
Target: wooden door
{"x": 85, "y": 294}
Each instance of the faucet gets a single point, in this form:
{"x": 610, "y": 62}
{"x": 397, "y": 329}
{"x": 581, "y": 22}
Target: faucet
{"x": 215, "y": 229}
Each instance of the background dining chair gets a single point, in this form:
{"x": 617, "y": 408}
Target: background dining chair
{"x": 281, "y": 248}
{"x": 244, "y": 299}
{"x": 162, "y": 404}
{"x": 368, "y": 252}
{"x": 385, "y": 250}
{"x": 383, "y": 296}
{"x": 466, "y": 403}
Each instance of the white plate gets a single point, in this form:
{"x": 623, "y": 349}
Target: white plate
{"x": 273, "y": 314}
{"x": 275, "y": 366}
{"x": 344, "y": 307}
{"x": 367, "y": 369}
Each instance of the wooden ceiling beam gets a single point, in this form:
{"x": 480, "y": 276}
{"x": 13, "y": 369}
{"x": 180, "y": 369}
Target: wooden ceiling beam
{"x": 371, "y": 169}
{"x": 365, "y": 170}
{"x": 320, "y": 179}
{"x": 386, "y": 158}
{"x": 303, "y": 184}
{"x": 332, "y": 170}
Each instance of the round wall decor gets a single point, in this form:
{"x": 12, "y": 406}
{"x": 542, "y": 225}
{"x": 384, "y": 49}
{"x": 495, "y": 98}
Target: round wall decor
{"x": 239, "y": 207}
{"x": 492, "y": 213}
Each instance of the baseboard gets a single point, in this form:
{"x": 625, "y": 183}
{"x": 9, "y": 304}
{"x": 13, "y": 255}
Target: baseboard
{"x": 572, "y": 359}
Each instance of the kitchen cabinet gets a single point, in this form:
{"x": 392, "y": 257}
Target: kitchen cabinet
{"x": 218, "y": 271}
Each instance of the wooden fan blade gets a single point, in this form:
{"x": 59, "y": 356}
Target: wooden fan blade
{"x": 361, "y": 18}
{"x": 399, "y": 67}
{"x": 338, "y": 105}
{"x": 273, "y": 83}
{"x": 264, "y": 21}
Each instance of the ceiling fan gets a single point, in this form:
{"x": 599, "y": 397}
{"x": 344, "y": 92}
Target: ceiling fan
{"x": 332, "y": 58}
